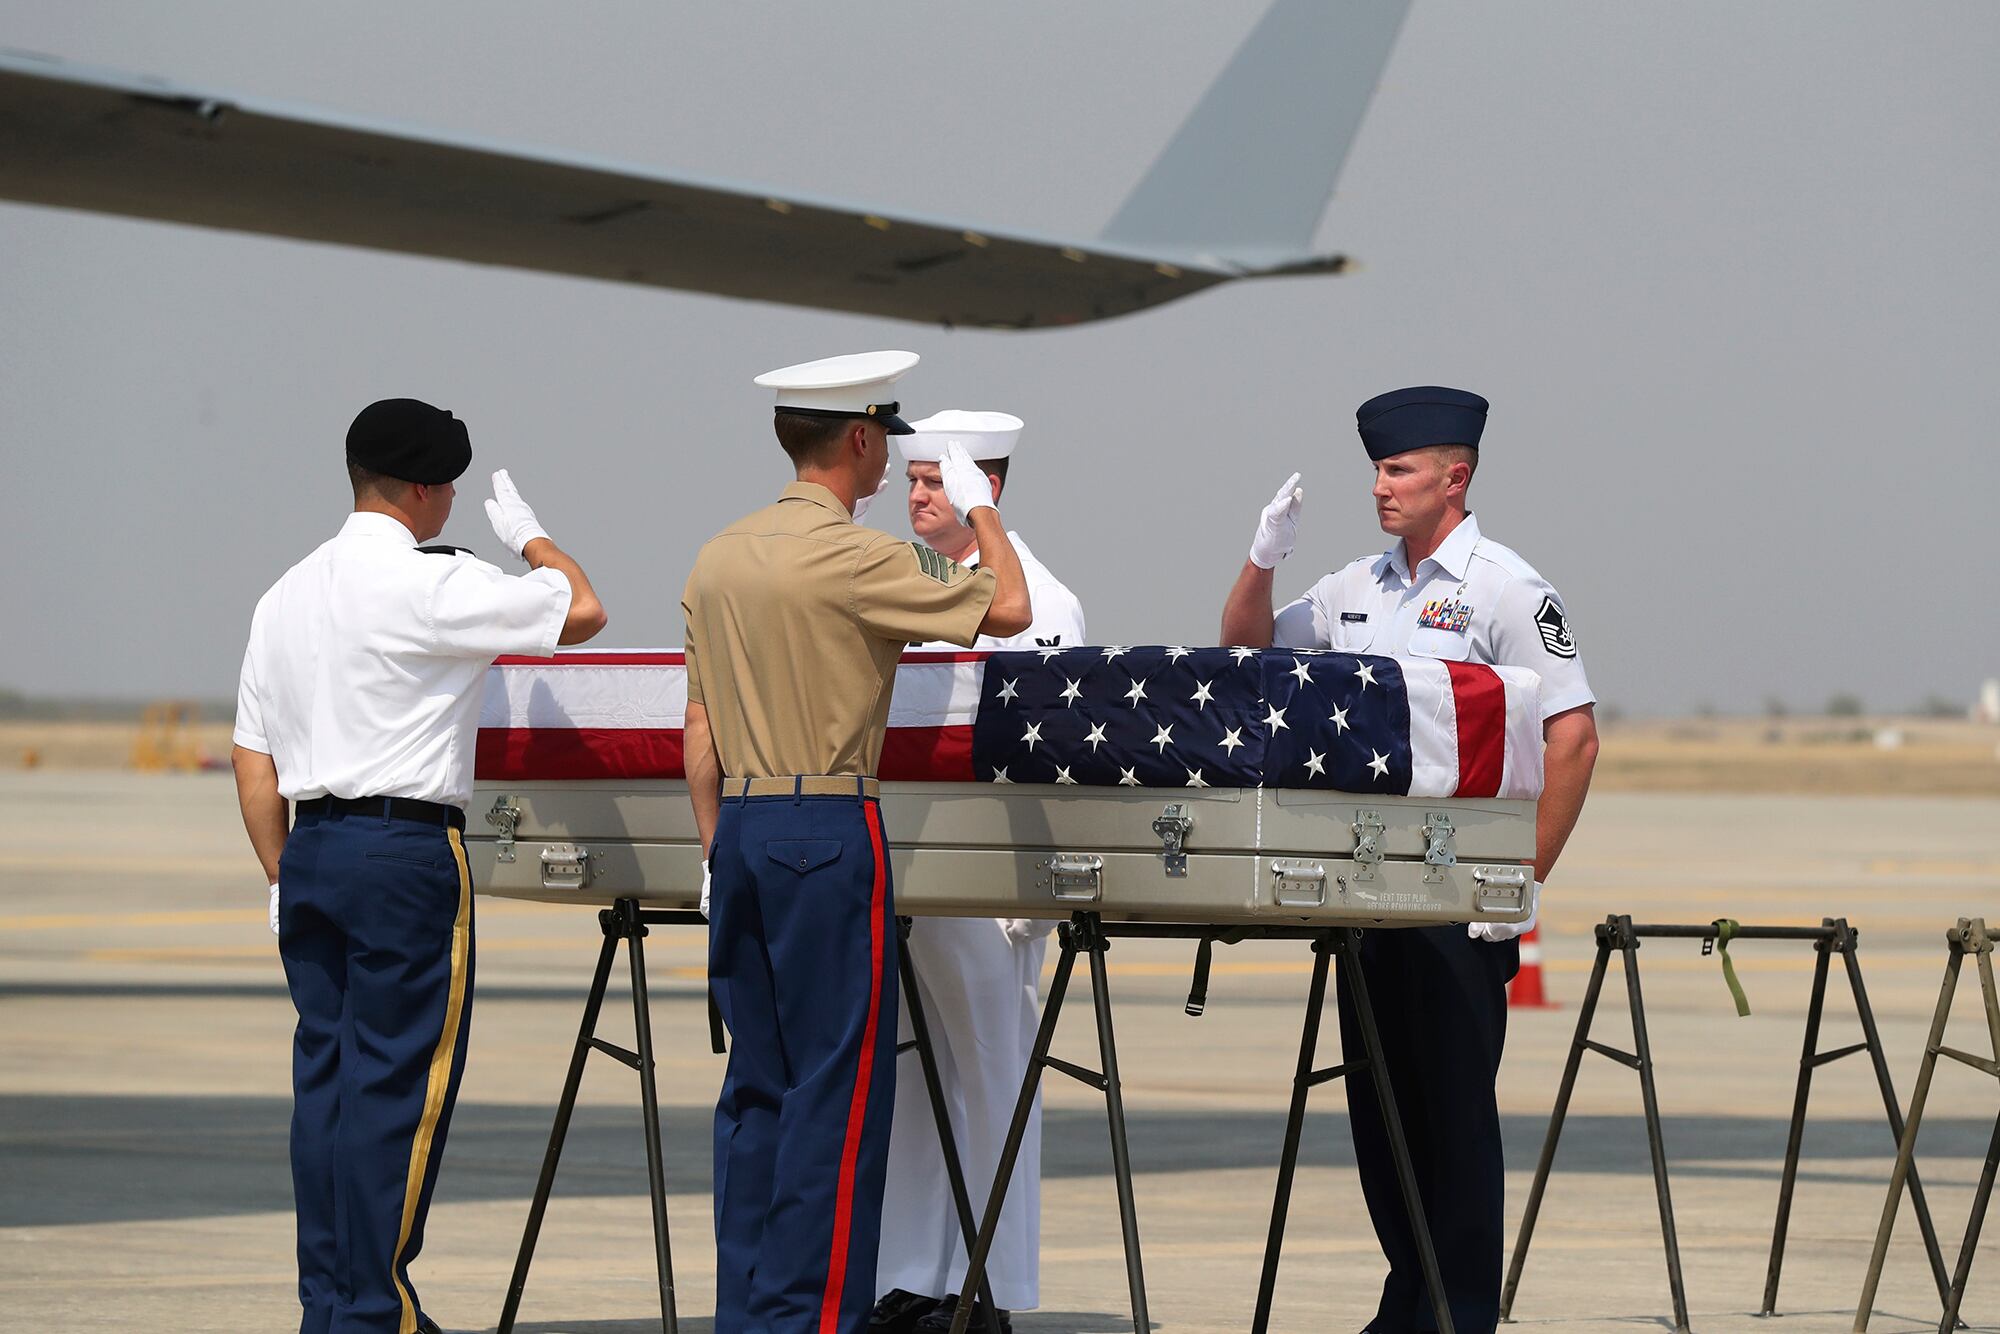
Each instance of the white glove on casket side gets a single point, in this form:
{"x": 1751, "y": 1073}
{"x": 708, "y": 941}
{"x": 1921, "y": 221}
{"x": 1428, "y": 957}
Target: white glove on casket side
{"x": 513, "y": 522}
{"x": 704, "y": 887}
{"x": 1023, "y": 930}
{"x": 1498, "y": 931}
{"x": 964, "y": 485}
{"x": 274, "y": 909}
{"x": 1278, "y": 526}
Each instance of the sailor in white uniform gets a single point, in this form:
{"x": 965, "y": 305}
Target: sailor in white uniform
{"x": 978, "y": 977}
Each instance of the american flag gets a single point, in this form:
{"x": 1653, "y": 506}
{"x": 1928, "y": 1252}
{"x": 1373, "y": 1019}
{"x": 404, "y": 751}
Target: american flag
{"x": 1162, "y": 717}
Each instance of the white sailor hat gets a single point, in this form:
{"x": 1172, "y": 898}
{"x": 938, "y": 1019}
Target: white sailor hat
{"x": 856, "y": 385}
{"x": 985, "y": 435}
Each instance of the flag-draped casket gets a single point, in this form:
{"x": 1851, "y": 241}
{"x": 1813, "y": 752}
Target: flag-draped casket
{"x": 1153, "y": 783}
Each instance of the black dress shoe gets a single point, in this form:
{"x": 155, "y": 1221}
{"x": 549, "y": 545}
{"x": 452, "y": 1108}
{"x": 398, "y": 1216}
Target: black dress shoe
{"x": 939, "y": 1320}
{"x": 898, "y": 1312}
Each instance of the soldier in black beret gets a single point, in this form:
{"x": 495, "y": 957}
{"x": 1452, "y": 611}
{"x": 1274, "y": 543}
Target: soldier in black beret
{"x": 355, "y": 722}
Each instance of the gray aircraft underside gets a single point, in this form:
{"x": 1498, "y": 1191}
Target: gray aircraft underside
{"x": 1238, "y": 192}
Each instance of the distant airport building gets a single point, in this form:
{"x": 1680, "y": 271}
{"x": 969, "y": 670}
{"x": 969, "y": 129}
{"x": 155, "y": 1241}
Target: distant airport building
{"x": 1987, "y": 709}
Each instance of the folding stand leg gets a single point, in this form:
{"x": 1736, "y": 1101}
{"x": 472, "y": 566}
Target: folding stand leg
{"x": 954, "y": 1169}
{"x": 1578, "y": 1045}
{"x": 1906, "y": 1149}
{"x": 1809, "y": 1060}
{"x": 1643, "y": 1051}
{"x": 649, "y": 1098}
{"x": 1017, "y": 1129}
{"x": 1114, "y": 1105}
{"x": 619, "y": 922}
{"x": 1977, "y": 940}
{"x": 1399, "y": 1149}
{"x": 1980, "y": 1199}
{"x": 1303, "y": 1079}
{"x": 1894, "y": 1111}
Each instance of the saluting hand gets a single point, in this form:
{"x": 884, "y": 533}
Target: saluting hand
{"x": 1278, "y": 526}
{"x": 964, "y": 485}
{"x": 513, "y": 522}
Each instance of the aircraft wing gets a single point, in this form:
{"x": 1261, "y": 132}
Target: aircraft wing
{"x": 117, "y": 143}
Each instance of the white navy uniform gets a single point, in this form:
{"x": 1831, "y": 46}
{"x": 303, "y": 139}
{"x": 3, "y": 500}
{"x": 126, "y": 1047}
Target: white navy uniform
{"x": 1473, "y": 600}
{"x": 979, "y": 977}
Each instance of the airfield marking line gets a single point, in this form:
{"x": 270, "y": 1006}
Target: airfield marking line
{"x": 192, "y": 917}
{"x": 134, "y": 863}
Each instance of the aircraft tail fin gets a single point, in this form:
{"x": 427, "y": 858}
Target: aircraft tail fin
{"x": 1248, "y": 175}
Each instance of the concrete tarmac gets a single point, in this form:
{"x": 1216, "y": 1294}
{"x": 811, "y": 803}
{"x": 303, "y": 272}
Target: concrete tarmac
{"x": 144, "y": 1094}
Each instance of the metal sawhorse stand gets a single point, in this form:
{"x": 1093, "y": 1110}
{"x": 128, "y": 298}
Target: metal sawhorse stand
{"x": 1832, "y": 936}
{"x": 1087, "y": 934}
{"x": 625, "y": 920}
{"x": 1968, "y": 937}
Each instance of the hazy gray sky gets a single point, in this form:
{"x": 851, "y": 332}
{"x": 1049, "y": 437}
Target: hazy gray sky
{"x": 1726, "y": 272}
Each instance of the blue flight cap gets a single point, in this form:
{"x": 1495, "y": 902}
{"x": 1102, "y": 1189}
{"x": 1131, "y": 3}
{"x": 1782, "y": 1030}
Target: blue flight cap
{"x": 1406, "y": 419}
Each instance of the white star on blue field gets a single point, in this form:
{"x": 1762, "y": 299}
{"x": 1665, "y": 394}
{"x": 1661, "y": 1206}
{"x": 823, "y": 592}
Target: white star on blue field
{"x": 1172, "y": 716}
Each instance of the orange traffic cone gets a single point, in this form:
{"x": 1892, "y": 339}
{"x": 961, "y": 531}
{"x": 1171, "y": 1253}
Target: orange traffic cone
{"x": 1525, "y": 991}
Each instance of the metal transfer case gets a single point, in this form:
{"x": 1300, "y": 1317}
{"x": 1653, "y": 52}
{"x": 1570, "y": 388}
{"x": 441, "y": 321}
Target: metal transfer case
{"x": 1215, "y": 855}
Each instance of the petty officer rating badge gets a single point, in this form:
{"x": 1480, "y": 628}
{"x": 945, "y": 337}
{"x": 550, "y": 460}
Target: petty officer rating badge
{"x": 1445, "y": 614}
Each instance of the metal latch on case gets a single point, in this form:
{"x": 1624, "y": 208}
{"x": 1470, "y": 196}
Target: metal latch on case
{"x": 1298, "y": 884}
{"x": 1439, "y": 850}
{"x": 1074, "y": 877}
{"x": 1368, "y": 829}
{"x": 504, "y": 816}
{"x": 1172, "y": 826}
{"x": 1500, "y": 888}
{"x": 565, "y": 866}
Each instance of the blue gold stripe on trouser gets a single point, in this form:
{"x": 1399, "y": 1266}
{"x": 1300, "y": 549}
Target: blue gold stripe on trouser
{"x": 375, "y": 928}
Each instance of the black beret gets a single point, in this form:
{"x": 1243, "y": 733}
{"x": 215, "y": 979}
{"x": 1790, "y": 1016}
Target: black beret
{"x": 1406, "y": 419}
{"x": 410, "y": 440}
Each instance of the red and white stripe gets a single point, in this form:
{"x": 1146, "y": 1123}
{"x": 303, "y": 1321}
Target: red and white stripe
{"x": 1475, "y": 731}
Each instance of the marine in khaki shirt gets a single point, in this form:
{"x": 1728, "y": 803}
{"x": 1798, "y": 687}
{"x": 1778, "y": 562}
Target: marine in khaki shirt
{"x": 796, "y": 616}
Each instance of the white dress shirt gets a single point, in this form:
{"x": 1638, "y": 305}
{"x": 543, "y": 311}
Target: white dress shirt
{"x": 1472, "y": 601}
{"x": 367, "y": 660}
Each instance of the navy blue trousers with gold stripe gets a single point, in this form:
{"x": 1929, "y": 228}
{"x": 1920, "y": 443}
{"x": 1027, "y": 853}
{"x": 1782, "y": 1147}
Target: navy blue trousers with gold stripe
{"x": 375, "y": 927}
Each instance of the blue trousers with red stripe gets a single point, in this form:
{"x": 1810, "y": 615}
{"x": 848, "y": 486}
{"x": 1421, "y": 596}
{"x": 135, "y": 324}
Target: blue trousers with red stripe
{"x": 375, "y": 928}
{"x": 802, "y": 958}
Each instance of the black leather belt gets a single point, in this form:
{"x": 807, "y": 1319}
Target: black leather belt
{"x": 387, "y": 808}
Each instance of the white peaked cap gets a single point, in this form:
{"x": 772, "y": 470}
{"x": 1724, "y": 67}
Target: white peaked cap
{"x": 985, "y": 435}
{"x": 856, "y": 385}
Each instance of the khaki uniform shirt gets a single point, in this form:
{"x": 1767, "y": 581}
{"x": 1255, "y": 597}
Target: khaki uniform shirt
{"x": 796, "y": 616}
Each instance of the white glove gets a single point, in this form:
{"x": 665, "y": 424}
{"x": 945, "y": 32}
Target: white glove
{"x": 964, "y": 485}
{"x": 1278, "y": 526}
{"x": 513, "y": 522}
{"x": 1498, "y": 931}
{"x": 704, "y": 887}
{"x": 1022, "y": 930}
{"x": 861, "y": 503}
{"x": 274, "y": 909}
